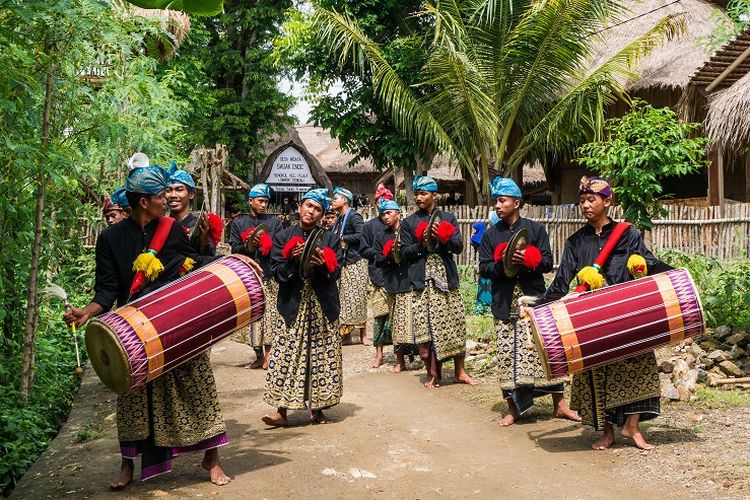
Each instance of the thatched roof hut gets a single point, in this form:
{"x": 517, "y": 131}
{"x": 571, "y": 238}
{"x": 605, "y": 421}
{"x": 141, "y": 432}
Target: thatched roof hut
{"x": 728, "y": 115}
{"x": 175, "y": 22}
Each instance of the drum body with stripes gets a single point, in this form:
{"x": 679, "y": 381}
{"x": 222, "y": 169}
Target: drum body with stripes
{"x": 579, "y": 332}
{"x": 149, "y": 336}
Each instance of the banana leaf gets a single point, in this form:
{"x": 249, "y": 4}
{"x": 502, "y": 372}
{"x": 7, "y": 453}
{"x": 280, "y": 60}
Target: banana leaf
{"x": 196, "y": 7}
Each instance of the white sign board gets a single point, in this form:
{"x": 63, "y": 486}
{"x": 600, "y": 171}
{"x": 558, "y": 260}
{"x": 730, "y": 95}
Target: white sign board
{"x": 290, "y": 172}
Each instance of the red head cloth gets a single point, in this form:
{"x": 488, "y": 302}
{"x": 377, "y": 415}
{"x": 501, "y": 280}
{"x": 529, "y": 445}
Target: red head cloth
{"x": 383, "y": 192}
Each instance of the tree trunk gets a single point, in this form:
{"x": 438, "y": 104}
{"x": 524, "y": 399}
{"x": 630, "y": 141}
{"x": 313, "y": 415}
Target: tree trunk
{"x": 408, "y": 179}
{"x": 32, "y": 307}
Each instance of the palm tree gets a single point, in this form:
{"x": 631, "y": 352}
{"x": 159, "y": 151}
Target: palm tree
{"x": 505, "y": 81}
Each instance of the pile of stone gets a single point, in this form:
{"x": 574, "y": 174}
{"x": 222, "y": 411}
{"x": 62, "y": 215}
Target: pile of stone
{"x": 718, "y": 357}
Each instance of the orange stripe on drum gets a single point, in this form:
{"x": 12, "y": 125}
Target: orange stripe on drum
{"x": 237, "y": 289}
{"x": 671, "y": 307}
{"x": 568, "y": 336}
{"x": 145, "y": 330}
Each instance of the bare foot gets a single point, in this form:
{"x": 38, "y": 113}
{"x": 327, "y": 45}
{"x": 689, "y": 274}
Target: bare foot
{"x": 318, "y": 417}
{"x": 125, "y": 477}
{"x": 378, "y": 361}
{"x": 213, "y": 466}
{"x": 508, "y": 420}
{"x": 607, "y": 440}
{"x": 365, "y": 339}
{"x": 258, "y": 363}
{"x": 567, "y": 413}
{"x": 432, "y": 383}
{"x": 637, "y": 437}
{"x": 400, "y": 368}
{"x": 464, "y": 378}
{"x": 275, "y": 420}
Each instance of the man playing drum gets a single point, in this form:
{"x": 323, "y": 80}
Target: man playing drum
{"x": 178, "y": 411}
{"x": 521, "y": 374}
{"x": 304, "y": 367}
{"x": 353, "y": 281}
{"x": 625, "y": 392}
{"x": 244, "y": 239}
{"x": 438, "y": 320}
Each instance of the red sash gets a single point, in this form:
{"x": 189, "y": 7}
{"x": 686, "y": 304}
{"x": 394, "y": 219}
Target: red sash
{"x": 147, "y": 265}
{"x": 612, "y": 242}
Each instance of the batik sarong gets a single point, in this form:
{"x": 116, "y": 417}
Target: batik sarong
{"x": 177, "y": 412}
{"x": 380, "y": 307}
{"x": 613, "y": 391}
{"x": 353, "y": 285}
{"x": 304, "y": 367}
{"x": 484, "y": 296}
{"x": 521, "y": 374}
{"x": 402, "y": 319}
{"x": 438, "y": 314}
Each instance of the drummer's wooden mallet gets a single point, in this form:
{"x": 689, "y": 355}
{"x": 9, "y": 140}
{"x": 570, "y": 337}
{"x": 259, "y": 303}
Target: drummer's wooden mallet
{"x": 58, "y": 292}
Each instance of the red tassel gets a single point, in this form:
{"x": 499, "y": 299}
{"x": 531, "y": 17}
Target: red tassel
{"x": 445, "y": 230}
{"x": 138, "y": 281}
{"x": 287, "y": 251}
{"x": 499, "y": 251}
{"x": 247, "y": 234}
{"x": 388, "y": 247}
{"x": 215, "y": 227}
{"x": 532, "y": 257}
{"x": 329, "y": 257}
{"x": 265, "y": 244}
{"x": 419, "y": 232}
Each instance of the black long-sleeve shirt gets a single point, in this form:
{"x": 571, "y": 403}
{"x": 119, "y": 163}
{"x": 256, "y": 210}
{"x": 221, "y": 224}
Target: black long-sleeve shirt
{"x": 583, "y": 247}
{"x": 286, "y": 273}
{"x": 415, "y": 253}
{"x": 530, "y": 281}
{"x": 370, "y": 230}
{"x": 245, "y": 222}
{"x": 117, "y": 248}
{"x": 350, "y": 234}
{"x": 395, "y": 276}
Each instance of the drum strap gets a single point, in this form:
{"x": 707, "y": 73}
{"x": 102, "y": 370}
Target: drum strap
{"x": 605, "y": 252}
{"x": 147, "y": 265}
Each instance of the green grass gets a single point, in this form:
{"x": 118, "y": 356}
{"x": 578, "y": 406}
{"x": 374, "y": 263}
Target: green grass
{"x": 480, "y": 327}
{"x": 712, "y": 399}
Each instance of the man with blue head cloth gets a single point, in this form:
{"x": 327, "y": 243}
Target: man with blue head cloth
{"x": 304, "y": 365}
{"x": 354, "y": 278}
{"x": 116, "y": 207}
{"x": 434, "y": 310}
{"x": 180, "y": 194}
{"x": 178, "y": 411}
{"x": 521, "y": 375}
{"x": 252, "y": 235}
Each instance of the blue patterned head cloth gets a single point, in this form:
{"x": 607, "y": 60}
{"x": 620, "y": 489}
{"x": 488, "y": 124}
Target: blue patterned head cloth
{"x": 594, "y": 185}
{"x": 118, "y": 198}
{"x": 180, "y": 176}
{"x": 424, "y": 183}
{"x": 504, "y": 186}
{"x": 345, "y": 193}
{"x": 384, "y": 205}
{"x": 494, "y": 218}
{"x": 319, "y": 196}
{"x": 259, "y": 191}
{"x": 149, "y": 180}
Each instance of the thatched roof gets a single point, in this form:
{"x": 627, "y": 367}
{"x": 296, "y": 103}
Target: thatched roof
{"x": 720, "y": 71}
{"x": 177, "y": 23}
{"x": 672, "y": 64}
{"x": 728, "y": 117}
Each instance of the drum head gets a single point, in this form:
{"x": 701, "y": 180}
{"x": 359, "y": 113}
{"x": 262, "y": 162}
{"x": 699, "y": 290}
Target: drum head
{"x": 539, "y": 346}
{"x": 260, "y": 229}
{"x": 435, "y": 220}
{"x": 310, "y": 246}
{"x": 518, "y": 241}
{"x": 108, "y": 357}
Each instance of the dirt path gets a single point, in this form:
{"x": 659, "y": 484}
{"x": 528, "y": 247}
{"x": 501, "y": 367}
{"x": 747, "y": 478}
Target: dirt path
{"x": 391, "y": 438}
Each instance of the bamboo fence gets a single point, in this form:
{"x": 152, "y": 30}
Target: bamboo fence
{"x": 719, "y": 232}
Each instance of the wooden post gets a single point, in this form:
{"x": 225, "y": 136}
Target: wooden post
{"x": 747, "y": 178}
{"x": 716, "y": 176}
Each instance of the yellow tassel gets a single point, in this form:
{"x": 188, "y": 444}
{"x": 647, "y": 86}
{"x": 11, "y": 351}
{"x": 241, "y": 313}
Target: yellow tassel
{"x": 591, "y": 277}
{"x": 189, "y": 264}
{"x": 149, "y": 264}
{"x": 637, "y": 266}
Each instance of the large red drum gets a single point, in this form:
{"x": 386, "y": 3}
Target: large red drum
{"x": 139, "y": 341}
{"x": 579, "y": 332}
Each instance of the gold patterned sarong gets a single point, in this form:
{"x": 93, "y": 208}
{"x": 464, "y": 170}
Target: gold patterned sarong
{"x": 305, "y": 361}
{"x": 600, "y": 390}
{"x": 261, "y": 332}
{"x": 402, "y": 307}
{"x": 353, "y": 285}
{"x": 184, "y": 407}
{"x": 518, "y": 360}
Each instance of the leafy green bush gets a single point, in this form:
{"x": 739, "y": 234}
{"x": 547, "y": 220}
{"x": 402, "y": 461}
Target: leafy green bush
{"x": 724, "y": 287}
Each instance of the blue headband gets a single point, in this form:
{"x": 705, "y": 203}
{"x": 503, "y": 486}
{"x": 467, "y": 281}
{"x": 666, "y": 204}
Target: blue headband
{"x": 504, "y": 186}
{"x": 118, "y": 198}
{"x": 149, "y": 180}
{"x": 424, "y": 183}
{"x": 180, "y": 176}
{"x": 319, "y": 196}
{"x": 259, "y": 191}
{"x": 384, "y": 205}
{"x": 345, "y": 193}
